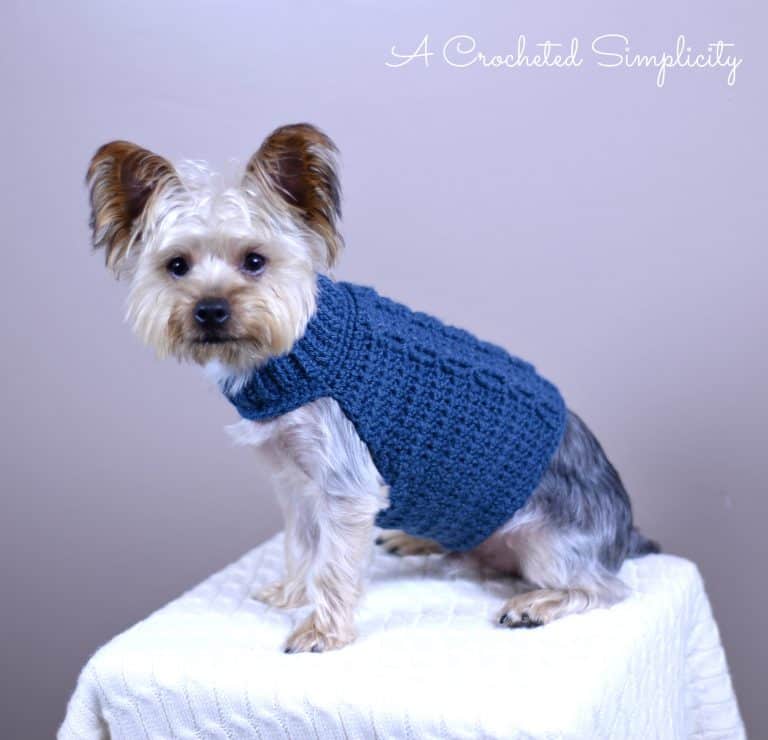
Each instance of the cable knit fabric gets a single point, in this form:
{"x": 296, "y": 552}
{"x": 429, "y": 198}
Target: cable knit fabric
{"x": 460, "y": 430}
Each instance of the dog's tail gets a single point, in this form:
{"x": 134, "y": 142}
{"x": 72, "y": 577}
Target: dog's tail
{"x": 640, "y": 545}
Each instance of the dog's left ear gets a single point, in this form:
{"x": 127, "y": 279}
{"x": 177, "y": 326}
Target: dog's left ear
{"x": 298, "y": 163}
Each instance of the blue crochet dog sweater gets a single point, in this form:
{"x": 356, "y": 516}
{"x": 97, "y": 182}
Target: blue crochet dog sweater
{"x": 460, "y": 430}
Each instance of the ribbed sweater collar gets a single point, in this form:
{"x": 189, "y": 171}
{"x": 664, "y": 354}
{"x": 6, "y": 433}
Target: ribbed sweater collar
{"x": 312, "y": 363}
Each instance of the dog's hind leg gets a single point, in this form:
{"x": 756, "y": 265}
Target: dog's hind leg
{"x": 565, "y": 579}
{"x": 570, "y": 539}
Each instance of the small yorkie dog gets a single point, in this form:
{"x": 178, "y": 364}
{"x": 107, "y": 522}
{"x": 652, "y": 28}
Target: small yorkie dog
{"x": 367, "y": 413}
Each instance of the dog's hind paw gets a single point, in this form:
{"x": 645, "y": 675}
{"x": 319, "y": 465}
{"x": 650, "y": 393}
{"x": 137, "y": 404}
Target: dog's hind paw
{"x": 400, "y": 543}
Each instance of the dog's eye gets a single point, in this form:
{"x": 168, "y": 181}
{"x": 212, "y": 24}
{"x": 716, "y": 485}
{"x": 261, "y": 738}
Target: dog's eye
{"x": 253, "y": 263}
{"x": 178, "y": 267}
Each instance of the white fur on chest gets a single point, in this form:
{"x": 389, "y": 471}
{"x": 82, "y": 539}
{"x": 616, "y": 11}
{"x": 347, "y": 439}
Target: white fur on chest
{"x": 316, "y": 440}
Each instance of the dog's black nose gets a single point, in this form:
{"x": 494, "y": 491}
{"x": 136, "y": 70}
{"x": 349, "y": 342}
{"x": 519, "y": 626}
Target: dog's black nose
{"x": 211, "y": 313}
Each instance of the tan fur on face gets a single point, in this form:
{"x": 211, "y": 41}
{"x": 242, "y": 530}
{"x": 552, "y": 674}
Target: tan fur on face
{"x": 122, "y": 177}
{"x": 299, "y": 162}
{"x": 268, "y": 311}
{"x": 285, "y": 208}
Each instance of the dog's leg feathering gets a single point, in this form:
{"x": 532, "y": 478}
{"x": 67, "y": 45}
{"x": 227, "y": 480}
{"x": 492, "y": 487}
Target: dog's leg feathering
{"x": 290, "y": 592}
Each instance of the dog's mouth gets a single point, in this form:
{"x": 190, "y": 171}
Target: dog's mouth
{"x": 233, "y": 349}
{"x": 215, "y": 339}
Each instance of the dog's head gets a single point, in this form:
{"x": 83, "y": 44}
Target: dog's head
{"x": 220, "y": 273}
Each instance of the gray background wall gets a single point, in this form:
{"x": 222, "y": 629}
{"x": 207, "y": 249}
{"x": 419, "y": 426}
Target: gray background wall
{"x": 610, "y": 231}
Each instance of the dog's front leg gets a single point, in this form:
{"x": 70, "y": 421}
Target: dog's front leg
{"x": 334, "y": 580}
{"x": 339, "y": 503}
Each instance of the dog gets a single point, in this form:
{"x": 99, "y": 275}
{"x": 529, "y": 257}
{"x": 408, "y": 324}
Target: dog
{"x": 234, "y": 278}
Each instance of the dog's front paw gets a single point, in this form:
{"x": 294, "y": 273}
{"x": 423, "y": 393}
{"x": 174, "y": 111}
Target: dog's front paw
{"x": 282, "y": 595}
{"x": 310, "y": 637}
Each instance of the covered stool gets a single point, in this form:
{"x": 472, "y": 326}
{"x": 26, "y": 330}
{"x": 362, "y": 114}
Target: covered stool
{"x": 429, "y": 662}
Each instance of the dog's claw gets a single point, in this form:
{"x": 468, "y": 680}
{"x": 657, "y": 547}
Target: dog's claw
{"x": 525, "y": 621}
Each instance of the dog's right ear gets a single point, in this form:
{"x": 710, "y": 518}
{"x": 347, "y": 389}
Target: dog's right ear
{"x": 122, "y": 178}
